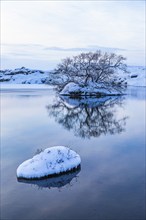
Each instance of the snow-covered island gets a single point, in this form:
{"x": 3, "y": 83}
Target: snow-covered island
{"x": 95, "y": 74}
{"x": 50, "y": 162}
{"x": 135, "y": 76}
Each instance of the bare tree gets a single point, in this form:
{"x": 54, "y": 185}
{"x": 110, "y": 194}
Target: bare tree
{"x": 97, "y": 68}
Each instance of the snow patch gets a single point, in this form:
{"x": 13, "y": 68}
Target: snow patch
{"x": 52, "y": 161}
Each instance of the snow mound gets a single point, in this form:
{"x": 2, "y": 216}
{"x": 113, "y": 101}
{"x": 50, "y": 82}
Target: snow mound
{"x": 52, "y": 161}
{"x": 70, "y": 87}
{"x": 73, "y": 89}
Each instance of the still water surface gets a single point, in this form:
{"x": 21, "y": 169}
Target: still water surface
{"x": 109, "y": 135}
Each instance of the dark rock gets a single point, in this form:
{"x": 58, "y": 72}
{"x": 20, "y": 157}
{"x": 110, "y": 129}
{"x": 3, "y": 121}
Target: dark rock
{"x": 134, "y": 76}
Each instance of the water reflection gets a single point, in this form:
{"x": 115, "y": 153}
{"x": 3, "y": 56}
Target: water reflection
{"x": 89, "y": 117}
{"x": 54, "y": 182}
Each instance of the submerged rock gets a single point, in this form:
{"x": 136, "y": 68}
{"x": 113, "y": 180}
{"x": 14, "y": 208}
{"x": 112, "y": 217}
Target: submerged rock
{"x": 50, "y": 162}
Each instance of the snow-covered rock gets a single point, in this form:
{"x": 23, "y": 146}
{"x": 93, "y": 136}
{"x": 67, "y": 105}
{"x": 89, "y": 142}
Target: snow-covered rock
{"x": 52, "y": 161}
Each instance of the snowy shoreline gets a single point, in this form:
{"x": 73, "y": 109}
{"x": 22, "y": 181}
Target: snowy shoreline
{"x": 136, "y": 76}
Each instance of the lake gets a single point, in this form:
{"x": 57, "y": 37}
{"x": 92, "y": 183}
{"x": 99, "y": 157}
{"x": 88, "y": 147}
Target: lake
{"x": 108, "y": 134}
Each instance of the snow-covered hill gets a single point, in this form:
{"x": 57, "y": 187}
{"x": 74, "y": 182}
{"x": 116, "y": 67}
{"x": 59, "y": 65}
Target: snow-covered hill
{"x": 136, "y": 76}
{"x": 23, "y": 76}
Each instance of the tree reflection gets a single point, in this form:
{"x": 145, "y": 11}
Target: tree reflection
{"x": 89, "y": 117}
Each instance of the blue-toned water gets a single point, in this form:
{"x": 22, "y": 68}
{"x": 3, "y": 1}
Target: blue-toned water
{"x": 109, "y": 135}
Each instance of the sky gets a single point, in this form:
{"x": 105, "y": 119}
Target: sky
{"x": 40, "y": 33}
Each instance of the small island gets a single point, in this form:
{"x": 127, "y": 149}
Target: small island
{"x": 92, "y": 74}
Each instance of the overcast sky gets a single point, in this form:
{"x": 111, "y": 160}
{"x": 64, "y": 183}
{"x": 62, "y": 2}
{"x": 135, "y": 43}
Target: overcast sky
{"x": 73, "y": 24}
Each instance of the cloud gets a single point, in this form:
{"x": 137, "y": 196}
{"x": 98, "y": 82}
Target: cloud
{"x": 74, "y": 24}
{"x": 54, "y": 48}
{"x": 48, "y": 57}
{"x": 52, "y": 30}
{"x": 84, "y": 49}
